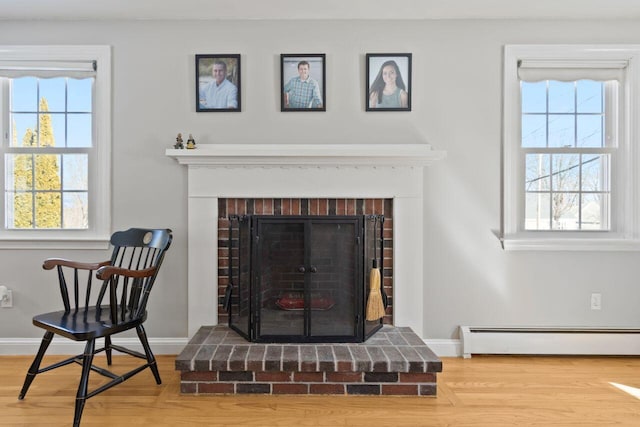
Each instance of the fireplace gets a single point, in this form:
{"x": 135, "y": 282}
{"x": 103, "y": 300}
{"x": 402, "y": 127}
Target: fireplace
{"x": 303, "y": 278}
{"x": 334, "y": 171}
{"x": 281, "y": 179}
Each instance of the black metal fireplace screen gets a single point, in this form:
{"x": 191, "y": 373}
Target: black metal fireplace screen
{"x": 303, "y": 278}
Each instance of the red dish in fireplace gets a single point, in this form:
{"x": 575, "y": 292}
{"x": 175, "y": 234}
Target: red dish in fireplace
{"x": 295, "y": 301}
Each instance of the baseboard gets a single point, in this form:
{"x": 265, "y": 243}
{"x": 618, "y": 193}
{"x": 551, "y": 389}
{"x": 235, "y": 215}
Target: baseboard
{"x": 497, "y": 341}
{"x": 445, "y": 348}
{"x": 29, "y": 346}
{"x": 550, "y": 341}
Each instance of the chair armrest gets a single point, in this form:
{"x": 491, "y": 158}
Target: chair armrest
{"x": 54, "y": 262}
{"x": 106, "y": 272}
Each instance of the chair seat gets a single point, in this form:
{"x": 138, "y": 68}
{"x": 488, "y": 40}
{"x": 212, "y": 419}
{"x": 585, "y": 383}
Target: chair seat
{"x": 81, "y": 325}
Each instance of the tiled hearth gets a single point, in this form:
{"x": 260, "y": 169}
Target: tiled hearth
{"x": 395, "y": 361}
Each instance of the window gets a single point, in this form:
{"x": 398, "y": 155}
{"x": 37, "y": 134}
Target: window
{"x": 55, "y": 121}
{"x": 570, "y": 153}
{"x": 568, "y": 139}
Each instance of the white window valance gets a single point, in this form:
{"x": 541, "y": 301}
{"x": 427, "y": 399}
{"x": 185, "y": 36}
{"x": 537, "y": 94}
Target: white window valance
{"x": 47, "y": 69}
{"x": 571, "y": 70}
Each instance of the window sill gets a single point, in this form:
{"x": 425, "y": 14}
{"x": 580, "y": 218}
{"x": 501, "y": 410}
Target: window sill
{"x": 528, "y": 243}
{"x": 79, "y": 244}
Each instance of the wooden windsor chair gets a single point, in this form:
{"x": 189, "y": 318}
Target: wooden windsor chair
{"x": 121, "y": 305}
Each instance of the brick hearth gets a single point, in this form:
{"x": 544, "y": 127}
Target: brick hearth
{"x": 395, "y": 361}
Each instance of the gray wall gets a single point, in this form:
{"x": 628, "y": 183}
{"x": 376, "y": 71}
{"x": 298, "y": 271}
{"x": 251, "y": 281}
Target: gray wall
{"x": 469, "y": 279}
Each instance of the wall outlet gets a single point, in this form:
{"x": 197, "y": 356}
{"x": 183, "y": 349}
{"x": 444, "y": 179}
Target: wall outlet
{"x": 7, "y": 299}
{"x": 596, "y": 301}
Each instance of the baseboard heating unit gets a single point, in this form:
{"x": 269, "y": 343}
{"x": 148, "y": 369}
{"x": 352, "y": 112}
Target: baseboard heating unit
{"x": 550, "y": 341}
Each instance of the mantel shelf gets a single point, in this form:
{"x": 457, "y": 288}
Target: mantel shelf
{"x": 308, "y": 155}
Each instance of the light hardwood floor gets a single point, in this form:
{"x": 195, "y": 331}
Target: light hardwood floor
{"x": 482, "y": 391}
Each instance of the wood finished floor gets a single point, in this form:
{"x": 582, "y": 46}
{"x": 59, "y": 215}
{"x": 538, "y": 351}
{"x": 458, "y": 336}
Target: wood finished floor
{"x": 482, "y": 391}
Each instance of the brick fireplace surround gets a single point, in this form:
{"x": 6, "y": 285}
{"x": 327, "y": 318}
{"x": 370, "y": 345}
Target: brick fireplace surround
{"x": 295, "y": 207}
{"x": 395, "y": 360}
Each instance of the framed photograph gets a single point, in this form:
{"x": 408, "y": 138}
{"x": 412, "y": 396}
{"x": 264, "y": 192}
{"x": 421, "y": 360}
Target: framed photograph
{"x": 218, "y": 83}
{"x": 302, "y": 82}
{"x": 388, "y": 82}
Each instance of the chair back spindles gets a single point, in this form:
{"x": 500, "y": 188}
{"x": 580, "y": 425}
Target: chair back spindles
{"x": 76, "y": 288}
{"x": 135, "y": 291}
{"x": 63, "y": 289}
{"x": 123, "y": 296}
{"x": 87, "y": 298}
{"x": 79, "y": 297}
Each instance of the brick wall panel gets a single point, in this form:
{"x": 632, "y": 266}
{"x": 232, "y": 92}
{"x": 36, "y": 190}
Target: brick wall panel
{"x": 326, "y": 389}
{"x": 298, "y": 388}
{"x": 215, "y": 388}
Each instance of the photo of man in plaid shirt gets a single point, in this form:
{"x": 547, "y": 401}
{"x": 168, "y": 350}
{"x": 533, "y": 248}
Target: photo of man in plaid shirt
{"x": 302, "y": 91}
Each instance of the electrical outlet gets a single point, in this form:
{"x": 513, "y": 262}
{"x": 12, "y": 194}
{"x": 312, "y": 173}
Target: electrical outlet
{"x": 596, "y": 301}
{"x": 7, "y": 301}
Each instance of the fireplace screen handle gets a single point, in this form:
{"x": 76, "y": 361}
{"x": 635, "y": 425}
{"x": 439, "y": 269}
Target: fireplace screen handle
{"x": 312, "y": 269}
{"x": 301, "y": 269}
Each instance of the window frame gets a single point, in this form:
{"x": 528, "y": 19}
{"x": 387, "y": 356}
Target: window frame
{"x": 623, "y": 233}
{"x": 96, "y": 236}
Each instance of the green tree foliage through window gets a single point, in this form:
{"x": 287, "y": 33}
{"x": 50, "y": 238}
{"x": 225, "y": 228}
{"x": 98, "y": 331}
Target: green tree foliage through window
{"x": 37, "y": 178}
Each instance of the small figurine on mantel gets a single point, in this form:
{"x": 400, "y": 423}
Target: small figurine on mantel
{"x": 191, "y": 143}
{"x": 179, "y": 145}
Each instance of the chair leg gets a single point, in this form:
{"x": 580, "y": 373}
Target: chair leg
{"x": 107, "y": 347}
{"x": 81, "y": 396}
{"x": 35, "y": 366}
{"x": 151, "y": 360}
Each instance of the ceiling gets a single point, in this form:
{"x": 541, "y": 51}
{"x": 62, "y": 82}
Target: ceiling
{"x": 320, "y": 9}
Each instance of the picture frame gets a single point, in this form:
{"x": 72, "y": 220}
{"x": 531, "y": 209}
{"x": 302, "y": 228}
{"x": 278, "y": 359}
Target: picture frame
{"x": 385, "y": 95}
{"x": 303, "y": 82}
{"x": 218, "y": 83}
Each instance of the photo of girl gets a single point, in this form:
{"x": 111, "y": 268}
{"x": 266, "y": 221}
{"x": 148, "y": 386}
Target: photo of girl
{"x": 389, "y": 90}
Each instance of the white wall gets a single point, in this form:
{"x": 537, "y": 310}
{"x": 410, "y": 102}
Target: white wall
{"x": 456, "y": 107}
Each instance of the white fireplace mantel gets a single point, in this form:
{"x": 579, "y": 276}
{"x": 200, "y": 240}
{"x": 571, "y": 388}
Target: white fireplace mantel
{"x": 306, "y": 171}
{"x": 308, "y": 154}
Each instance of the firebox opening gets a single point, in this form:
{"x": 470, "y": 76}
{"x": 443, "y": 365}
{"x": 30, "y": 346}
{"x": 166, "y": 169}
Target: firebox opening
{"x": 302, "y": 278}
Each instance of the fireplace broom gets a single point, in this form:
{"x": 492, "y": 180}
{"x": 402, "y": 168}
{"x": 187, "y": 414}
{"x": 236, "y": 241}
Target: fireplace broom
{"x": 375, "y": 304}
